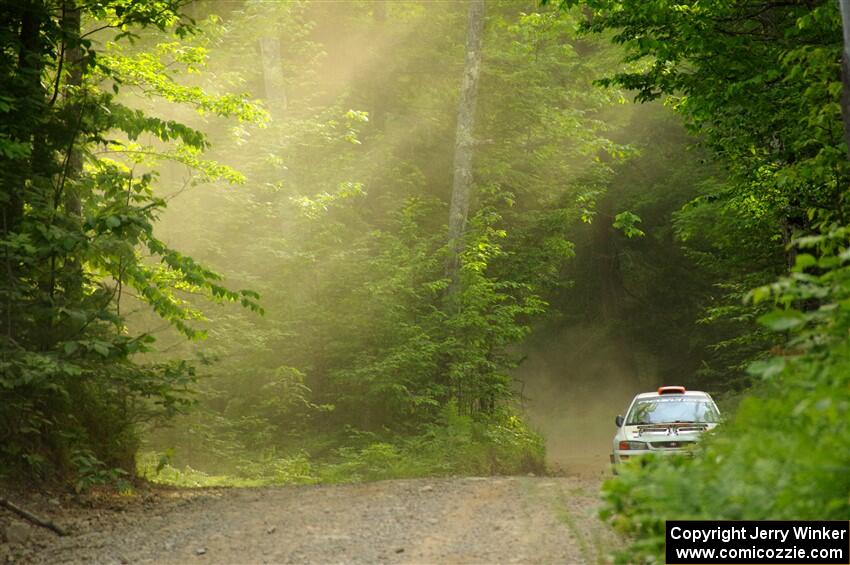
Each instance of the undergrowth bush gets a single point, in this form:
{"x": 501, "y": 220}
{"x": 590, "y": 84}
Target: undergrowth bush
{"x": 454, "y": 445}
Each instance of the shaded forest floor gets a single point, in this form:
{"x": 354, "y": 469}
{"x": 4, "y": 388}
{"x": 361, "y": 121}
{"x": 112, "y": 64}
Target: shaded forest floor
{"x": 455, "y": 520}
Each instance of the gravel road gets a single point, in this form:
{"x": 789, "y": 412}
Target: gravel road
{"x": 456, "y": 520}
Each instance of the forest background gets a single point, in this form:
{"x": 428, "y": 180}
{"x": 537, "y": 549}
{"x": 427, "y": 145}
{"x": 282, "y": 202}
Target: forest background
{"x": 449, "y": 220}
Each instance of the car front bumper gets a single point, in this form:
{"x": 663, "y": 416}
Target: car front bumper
{"x": 619, "y": 455}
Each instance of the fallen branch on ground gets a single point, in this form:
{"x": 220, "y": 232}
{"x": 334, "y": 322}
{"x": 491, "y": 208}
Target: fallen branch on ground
{"x": 5, "y": 503}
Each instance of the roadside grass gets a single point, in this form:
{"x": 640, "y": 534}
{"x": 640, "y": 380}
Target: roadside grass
{"x": 459, "y": 445}
{"x": 596, "y": 540}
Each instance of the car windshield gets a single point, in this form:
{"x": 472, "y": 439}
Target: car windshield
{"x": 673, "y": 409}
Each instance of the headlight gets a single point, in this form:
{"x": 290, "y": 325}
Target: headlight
{"x": 632, "y": 445}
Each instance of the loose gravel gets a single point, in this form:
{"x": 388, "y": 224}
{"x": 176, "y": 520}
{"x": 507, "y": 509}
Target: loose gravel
{"x": 455, "y": 520}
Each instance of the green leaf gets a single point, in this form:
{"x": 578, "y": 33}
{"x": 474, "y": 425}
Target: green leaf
{"x": 781, "y": 320}
{"x": 760, "y": 294}
{"x": 804, "y": 261}
{"x": 627, "y": 223}
{"x": 767, "y": 368}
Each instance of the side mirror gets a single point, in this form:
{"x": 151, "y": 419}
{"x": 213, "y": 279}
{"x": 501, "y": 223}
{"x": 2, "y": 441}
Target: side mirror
{"x": 619, "y": 421}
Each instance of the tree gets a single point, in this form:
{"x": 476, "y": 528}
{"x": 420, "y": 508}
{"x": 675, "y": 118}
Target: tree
{"x": 760, "y": 84}
{"x": 760, "y": 113}
{"x": 73, "y": 62}
{"x": 344, "y": 230}
{"x": 464, "y": 136}
{"x": 78, "y": 219}
{"x": 845, "y": 70}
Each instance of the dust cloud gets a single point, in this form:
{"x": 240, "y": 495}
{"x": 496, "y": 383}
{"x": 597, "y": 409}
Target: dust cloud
{"x": 574, "y": 382}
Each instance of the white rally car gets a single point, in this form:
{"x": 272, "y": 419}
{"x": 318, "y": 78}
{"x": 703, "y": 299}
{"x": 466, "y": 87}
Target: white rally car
{"x": 666, "y": 421}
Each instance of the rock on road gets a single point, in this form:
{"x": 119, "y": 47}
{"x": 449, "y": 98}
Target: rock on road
{"x": 455, "y": 520}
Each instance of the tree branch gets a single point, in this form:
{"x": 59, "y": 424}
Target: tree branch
{"x": 5, "y": 503}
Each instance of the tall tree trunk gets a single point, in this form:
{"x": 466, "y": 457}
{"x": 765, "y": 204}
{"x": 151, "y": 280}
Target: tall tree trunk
{"x": 29, "y": 91}
{"x": 378, "y": 114}
{"x": 606, "y": 262}
{"x": 464, "y": 140}
{"x": 273, "y": 72}
{"x": 73, "y": 63}
{"x": 845, "y": 70}
{"x": 273, "y": 85}
{"x": 26, "y": 87}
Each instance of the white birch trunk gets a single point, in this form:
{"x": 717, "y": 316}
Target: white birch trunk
{"x": 273, "y": 73}
{"x": 464, "y": 140}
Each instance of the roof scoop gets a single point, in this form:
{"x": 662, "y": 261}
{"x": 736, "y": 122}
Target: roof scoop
{"x": 671, "y": 390}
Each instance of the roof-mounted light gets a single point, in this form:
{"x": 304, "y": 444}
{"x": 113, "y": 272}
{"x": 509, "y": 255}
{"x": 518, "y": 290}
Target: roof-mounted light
{"x": 671, "y": 390}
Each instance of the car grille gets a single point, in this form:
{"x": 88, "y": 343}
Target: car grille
{"x": 670, "y": 429}
{"x": 670, "y": 444}
{"x": 650, "y": 429}
{"x": 691, "y": 428}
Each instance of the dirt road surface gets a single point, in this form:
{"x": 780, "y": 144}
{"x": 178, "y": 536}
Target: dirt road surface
{"x": 456, "y": 520}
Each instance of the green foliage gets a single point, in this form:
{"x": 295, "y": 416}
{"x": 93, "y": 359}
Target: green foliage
{"x": 374, "y": 362}
{"x": 91, "y": 472}
{"x": 453, "y": 445}
{"x": 761, "y": 118}
{"x": 763, "y": 114}
{"x": 342, "y": 228}
{"x": 77, "y": 215}
{"x": 783, "y": 455}
{"x": 696, "y": 331}
{"x": 627, "y": 223}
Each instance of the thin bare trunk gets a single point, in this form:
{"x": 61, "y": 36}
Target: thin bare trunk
{"x": 273, "y": 72}
{"x": 464, "y": 140}
{"x": 378, "y": 114}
